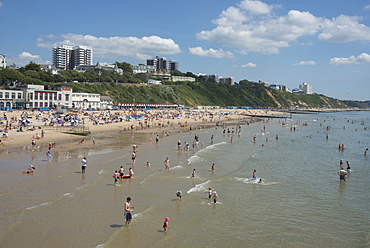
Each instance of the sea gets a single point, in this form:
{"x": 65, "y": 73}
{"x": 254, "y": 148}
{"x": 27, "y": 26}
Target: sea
{"x": 301, "y": 202}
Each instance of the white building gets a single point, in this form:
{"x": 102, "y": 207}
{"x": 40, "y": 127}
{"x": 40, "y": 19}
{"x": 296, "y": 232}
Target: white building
{"x": 2, "y": 61}
{"x": 11, "y": 99}
{"x": 106, "y": 102}
{"x": 37, "y": 97}
{"x": 182, "y": 78}
{"x": 104, "y": 66}
{"x": 140, "y": 68}
{"x": 82, "y": 100}
{"x": 68, "y": 57}
{"x": 306, "y": 88}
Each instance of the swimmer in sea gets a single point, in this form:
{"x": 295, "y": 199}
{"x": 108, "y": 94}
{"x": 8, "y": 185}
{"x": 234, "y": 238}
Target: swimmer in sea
{"x": 348, "y": 166}
{"x": 260, "y": 181}
{"x": 31, "y": 169}
{"x": 213, "y": 167}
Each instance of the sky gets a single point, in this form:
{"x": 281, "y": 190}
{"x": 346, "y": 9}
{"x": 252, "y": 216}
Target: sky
{"x": 325, "y": 43}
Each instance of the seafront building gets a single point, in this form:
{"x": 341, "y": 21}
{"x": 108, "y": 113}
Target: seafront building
{"x": 82, "y": 100}
{"x": 40, "y": 96}
{"x": 68, "y": 57}
{"x": 11, "y": 98}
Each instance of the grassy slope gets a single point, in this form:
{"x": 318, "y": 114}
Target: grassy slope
{"x": 207, "y": 93}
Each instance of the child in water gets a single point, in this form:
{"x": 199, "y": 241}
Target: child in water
{"x": 165, "y": 224}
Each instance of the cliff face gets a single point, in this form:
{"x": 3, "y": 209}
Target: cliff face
{"x": 213, "y": 94}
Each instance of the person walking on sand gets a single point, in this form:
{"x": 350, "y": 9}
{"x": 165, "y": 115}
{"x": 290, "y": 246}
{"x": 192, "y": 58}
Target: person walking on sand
{"x": 128, "y": 210}
{"x": 165, "y": 224}
{"x": 167, "y": 164}
{"x": 83, "y": 164}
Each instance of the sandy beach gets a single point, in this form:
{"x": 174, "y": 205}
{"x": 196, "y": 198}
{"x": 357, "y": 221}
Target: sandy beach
{"x": 154, "y": 121}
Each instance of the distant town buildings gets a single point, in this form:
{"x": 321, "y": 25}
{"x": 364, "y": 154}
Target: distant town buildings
{"x": 161, "y": 63}
{"x": 141, "y": 68}
{"x": 68, "y": 57}
{"x": 104, "y": 66}
{"x": 228, "y": 80}
{"x": 306, "y": 88}
{"x": 2, "y": 61}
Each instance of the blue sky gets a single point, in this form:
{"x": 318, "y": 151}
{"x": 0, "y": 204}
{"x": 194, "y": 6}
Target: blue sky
{"x": 324, "y": 43}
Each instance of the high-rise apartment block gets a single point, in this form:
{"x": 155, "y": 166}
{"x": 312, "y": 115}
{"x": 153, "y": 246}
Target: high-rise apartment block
{"x": 68, "y": 57}
{"x": 306, "y": 88}
{"x": 163, "y": 63}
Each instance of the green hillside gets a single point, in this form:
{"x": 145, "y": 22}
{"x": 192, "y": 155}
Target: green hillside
{"x": 129, "y": 88}
{"x": 212, "y": 94}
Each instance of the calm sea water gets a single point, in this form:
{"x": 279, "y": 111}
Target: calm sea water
{"x": 300, "y": 204}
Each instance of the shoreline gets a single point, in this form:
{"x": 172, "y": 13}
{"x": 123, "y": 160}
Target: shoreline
{"x": 162, "y": 124}
{"x": 157, "y": 121}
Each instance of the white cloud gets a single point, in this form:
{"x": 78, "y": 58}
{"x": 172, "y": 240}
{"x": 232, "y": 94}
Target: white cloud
{"x": 230, "y": 16}
{"x": 362, "y": 58}
{"x": 240, "y": 28}
{"x": 306, "y": 63}
{"x": 211, "y": 53}
{"x": 25, "y": 58}
{"x": 1, "y": 4}
{"x": 344, "y": 29}
{"x": 247, "y": 65}
{"x": 113, "y": 47}
{"x": 255, "y": 7}
{"x": 367, "y": 7}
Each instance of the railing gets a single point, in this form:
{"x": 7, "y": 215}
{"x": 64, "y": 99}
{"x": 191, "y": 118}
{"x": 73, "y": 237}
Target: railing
{"x": 67, "y": 129}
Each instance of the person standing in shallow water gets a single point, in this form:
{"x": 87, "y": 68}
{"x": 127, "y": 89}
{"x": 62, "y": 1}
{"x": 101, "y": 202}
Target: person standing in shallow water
{"x": 254, "y": 174}
{"x": 342, "y": 175}
{"x": 167, "y": 164}
{"x": 83, "y": 164}
{"x": 128, "y": 210}
{"x": 215, "y": 197}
